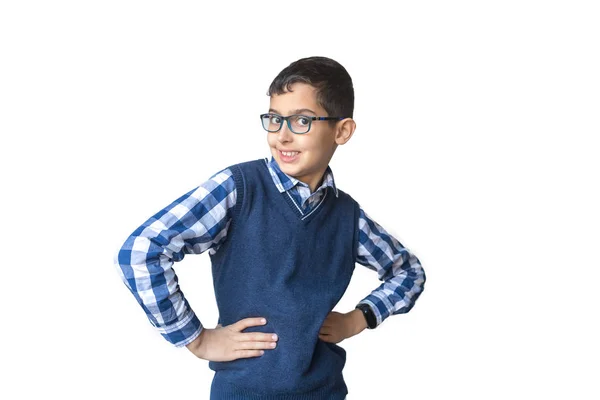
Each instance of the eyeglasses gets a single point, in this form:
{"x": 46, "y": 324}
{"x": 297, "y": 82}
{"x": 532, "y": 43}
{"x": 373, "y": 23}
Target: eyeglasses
{"x": 297, "y": 123}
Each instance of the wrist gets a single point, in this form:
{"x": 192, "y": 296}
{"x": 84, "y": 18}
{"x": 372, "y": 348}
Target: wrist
{"x": 358, "y": 321}
{"x": 194, "y": 345}
{"x": 368, "y": 315}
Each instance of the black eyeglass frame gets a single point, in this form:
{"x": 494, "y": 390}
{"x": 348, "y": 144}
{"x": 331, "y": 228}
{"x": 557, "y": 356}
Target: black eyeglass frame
{"x": 309, "y": 117}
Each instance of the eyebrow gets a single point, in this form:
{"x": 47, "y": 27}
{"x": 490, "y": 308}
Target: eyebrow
{"x": 297, "y": 111}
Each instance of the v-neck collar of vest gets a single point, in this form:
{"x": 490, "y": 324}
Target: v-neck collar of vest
{"x": 287, "y": 197}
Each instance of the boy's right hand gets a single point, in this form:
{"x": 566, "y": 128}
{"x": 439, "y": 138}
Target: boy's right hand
{"x": 227, "y": 343}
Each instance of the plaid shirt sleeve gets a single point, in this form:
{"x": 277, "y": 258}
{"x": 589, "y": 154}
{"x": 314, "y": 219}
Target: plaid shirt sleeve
{"x": 401, "y": 271}
{"x": 192, "y": 224}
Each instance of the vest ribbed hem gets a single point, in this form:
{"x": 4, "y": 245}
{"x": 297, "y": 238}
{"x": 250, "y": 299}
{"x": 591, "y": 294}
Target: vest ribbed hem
{"x": 223, "y": 390}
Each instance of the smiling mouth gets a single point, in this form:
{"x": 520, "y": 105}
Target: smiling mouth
{"x": 289, "y": 153}
{"x": 288, "y": 156}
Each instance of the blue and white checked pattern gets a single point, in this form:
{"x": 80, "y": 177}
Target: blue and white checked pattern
{"x": 198, "y": 221}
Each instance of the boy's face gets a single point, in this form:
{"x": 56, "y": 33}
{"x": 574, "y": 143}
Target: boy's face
{"x": 315, "y": 148}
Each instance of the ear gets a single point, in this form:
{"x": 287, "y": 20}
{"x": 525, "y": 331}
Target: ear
{"x": 344, "y": 130}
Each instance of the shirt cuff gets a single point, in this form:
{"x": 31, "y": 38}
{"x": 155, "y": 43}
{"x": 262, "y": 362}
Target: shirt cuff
{"x": 181, "y": 332}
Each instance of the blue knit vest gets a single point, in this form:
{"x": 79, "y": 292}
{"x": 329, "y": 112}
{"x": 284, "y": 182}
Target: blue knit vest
{"x": 291, "y": 268}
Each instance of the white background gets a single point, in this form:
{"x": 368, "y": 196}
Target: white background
{"x": 476, "y": 146}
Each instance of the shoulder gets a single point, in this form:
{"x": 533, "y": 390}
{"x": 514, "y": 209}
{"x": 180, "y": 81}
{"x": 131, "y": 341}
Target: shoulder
{"x": 346, "y": 197}
{"x": 219, "y": 187}
{"x": 231, "y": 171}
{"x": 221, "y": 175}
{"x": 235, "y": 177}
{"x": 250, "y": 164}
{"x": 347, "y": 202}
{"x": 222, "y": 179}
{"x": 249, "y": 171}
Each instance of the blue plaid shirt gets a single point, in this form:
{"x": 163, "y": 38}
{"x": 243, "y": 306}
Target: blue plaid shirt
{"x": 198, "y": 221}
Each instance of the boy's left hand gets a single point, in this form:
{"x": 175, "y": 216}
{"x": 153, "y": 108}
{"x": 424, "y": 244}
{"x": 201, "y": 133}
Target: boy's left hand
{"x": 337, "y": 327}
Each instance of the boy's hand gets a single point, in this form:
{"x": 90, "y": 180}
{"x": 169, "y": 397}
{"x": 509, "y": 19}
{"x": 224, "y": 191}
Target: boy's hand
{"x": 227, "y": 343}
{"x": 338, "y": 326}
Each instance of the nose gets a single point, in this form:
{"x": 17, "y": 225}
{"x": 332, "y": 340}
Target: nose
{"x": 284, "y": 134}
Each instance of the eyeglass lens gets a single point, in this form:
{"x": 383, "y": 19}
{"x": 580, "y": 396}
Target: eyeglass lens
{"x": 273, "y": 122}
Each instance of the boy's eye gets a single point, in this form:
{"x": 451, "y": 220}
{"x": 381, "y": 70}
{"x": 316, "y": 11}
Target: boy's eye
{"x": 275, "y": 119}
{"x": 302, "y": 121}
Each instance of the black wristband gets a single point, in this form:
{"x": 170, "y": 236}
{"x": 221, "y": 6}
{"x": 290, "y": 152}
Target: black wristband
{"x": 368, "y": 314}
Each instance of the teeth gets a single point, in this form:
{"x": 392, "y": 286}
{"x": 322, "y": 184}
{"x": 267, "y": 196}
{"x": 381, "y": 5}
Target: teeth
{"x": 289, "y": 153}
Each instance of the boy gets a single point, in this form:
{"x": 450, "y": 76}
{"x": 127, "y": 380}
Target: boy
{"x": 283, "y": 242}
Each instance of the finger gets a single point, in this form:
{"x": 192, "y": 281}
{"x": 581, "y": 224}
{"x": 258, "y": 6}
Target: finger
{"x": 330, "y": 339}
{"x": 255, "y": 345}
{"x": 325, "y": 338}
{"x": 258, "y": 337}
{"x": 248, "y": 322}
{"x": 248, "y": 353}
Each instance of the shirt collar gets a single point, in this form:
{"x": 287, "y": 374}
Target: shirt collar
{"x": 285, "y": 182}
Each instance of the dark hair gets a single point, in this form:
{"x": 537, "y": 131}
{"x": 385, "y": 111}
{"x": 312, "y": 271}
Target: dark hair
{"x": 333, "y": 84}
